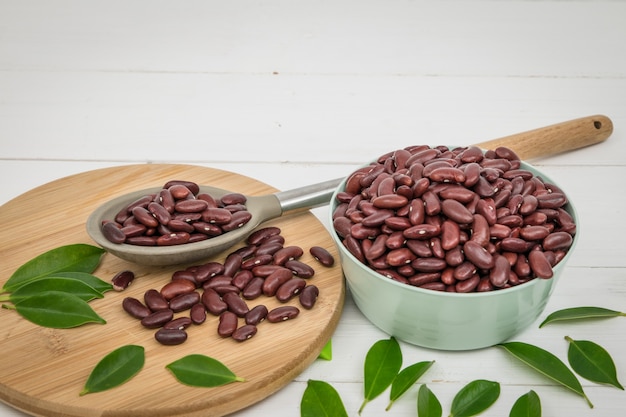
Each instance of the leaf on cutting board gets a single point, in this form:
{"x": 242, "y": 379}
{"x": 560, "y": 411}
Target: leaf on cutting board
{"x": 382, "y": 363}
{"x": 202, "y": 371}
{"x": 320, "y": 399}
{"x": 592, "y": 362}
{"x": 60, "y": 284}
{"x": 89, "y": 279}
{"x": 528, "y": 405}
{"x": 474, "y": 398}
{"x": 405, "y": 379}
{"x": 547, "y": 364}
{"x": 427, "y": 403}
{"x": 115, "y": 368}
{"x": 76, "y": 257}
{"x": 57, "y": 310}
{"x": 581, "y": 313}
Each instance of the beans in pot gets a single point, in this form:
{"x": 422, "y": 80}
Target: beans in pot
{"x": 454, "y": 219}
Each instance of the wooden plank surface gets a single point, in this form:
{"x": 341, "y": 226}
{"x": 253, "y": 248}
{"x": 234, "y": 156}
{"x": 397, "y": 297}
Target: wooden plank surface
{"x": 42, "y": 370}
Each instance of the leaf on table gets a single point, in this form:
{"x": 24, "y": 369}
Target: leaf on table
{"x": 320, "y": 399}
{"x": 528, "y": 405}
{"x": 382, "y": 363}
{"x": 592, "y": 362}
{"x": 115, "y": 368}
{"x": 202, "y": 371}
{"x": 581, "y": 313}
{"x": 76, "y": 257}
{"x": 474, "y": 398}
{"x": 327, "y": 351}
{"x": 427, "y": 403}
{"x": 547, "y": 364}
{"x": 57, "y": 310}
{"x": 405, "y": 379}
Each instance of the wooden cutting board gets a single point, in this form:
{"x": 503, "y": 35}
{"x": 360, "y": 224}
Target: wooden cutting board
{"x": 42, "y": 370}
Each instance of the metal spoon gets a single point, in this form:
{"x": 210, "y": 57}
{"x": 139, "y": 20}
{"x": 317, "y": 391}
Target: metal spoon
{"x": 544, "y": 141}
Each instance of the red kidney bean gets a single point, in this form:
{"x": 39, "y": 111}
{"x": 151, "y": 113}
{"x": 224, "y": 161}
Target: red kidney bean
{"x": 287, "y": 253}
{"x": 113, "y": 232}
{"x": 322, "y": 255}
{"x": 157, "y": 319}
{"x": 268, "y": 248}
{"x": 244, "y": 332}
{"x": 180, "y": 323}
{"x": 468, "y": 285}
{"x": 242, "y": 278}
{"x": 258, "y": 236}
{"x": 308, "y": 296}
{"x": 135, "y": 308}
{"x": 184, "y": 302}
{"x": 177, "y": 238}
{"x": 254, "y": 289}
{"x": 213, "y": 302}
{"x": 539, "y": 264}
{"x": 227, "y": 324}
{"x": 478, "y": 255}
{"x": 256, "y": 314}
{"x": 299, "y": 268}
{"x": 236, "y": 304}
{"x": 170, "y": 337}
{"x": 282, "y": 313}
{"x": 197, "y": 314}
{"x": 557, "y": 241}
{"x": 499, "y": 274}
{"x": 239, "y": 219}
{"x": 155, "y": 301}
{"x": 275, "y": 280}
{"x": 256, "y": 260}
{"x": 177, "y": 287}
{"x": 290, "y": 289}
{"x": 122, "y": 280}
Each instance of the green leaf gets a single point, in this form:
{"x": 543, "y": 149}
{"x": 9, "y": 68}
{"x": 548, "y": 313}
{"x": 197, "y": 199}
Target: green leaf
{"x": 57, "y": 310}
{"x": 405, "y": 379}
{"x": 592, "y": 361}
{"x": 202, "y": 371}
{"x": 89, "y": 279}
{"x": 382, "y": 363}
{"x": 579, "y": 313}
{"x": 321, "y": 399}
{"x": 528, "y": 405}
{"x": 77, "y": 257}
{"x": 66, "y": 285}
{"x": 115, "y": 368}
{"x": 547, "y": 364}
{"x": 427, "y": 403}
{"x": 474, "y": 398}
{"x": 327, "y": 351}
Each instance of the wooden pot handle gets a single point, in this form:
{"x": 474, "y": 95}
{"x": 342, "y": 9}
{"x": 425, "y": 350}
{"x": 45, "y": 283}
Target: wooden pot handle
{"x": 557, "y": 138}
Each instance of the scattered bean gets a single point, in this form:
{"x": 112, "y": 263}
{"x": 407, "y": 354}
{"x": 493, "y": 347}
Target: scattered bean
{"x": 282, "y": 313}
{"x": 244, "y": 332}
{"x": 170, "y": 337}
{"x": 135, "y": 308}
{"x": 122, "y": 280}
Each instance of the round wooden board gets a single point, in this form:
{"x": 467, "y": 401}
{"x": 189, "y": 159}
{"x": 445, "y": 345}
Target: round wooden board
{"x": 42, "y": 370}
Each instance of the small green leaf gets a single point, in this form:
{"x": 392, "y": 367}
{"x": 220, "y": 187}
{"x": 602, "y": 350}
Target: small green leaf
{"x": 66, "y": 285}
{"x": 89, "y": 279}
{"x": 405, "y": 379}
{"x": 547, "y": 364}
{"x": 528, "y": 405}
{"x": 592, "y": 361}
{"x": 382, "y": 363}
{"x": 580, "y": 313}
{"x": 202, "y": 371}
{"x": 57, "y": 310}
{"x": 474, "y": 398}
{"x": 427, "y": 403}
{"x": 327, "y": 351}
{"x": 115, "y": 368}
{"x": 77, "y": 257}
{"x": 320, "y": 399}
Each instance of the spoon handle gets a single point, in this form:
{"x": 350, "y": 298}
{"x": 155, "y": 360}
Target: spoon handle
{"x": 557, "y": 138}
{"x": 544, "y": 141}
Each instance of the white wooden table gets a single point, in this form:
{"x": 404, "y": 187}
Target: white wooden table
{"x": 293, "y": 93}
